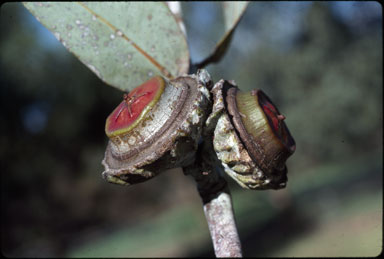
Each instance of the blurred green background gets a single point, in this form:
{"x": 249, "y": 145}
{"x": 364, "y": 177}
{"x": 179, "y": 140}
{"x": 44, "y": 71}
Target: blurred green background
{"x": 321, "y": 64}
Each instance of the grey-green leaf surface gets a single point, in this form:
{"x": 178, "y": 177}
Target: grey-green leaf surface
{"x": 123, "y": 43}
{"x": 232, "y": 13}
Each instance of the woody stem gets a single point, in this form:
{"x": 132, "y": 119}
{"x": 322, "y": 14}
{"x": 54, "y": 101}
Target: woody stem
{"x": 217, "y": 204}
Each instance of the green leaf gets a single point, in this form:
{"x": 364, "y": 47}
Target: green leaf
{"x": 123, "y": 43}
{"x": 232, "y": 12}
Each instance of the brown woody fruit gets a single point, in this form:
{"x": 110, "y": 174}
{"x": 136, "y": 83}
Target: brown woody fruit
{"x": 251, "y": 138}
{"x": 155, "y": 128}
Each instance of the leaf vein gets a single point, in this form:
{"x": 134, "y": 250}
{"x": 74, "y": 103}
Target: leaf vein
{"x": 163, "y": 70}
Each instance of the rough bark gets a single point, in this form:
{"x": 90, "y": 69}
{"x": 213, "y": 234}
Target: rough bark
{"x": 217, "y": 202}
{"x": 222, "y": 226}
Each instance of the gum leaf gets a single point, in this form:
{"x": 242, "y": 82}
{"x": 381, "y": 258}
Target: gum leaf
{"x": 232, "y": 12}
{"x": 123, "y": 43}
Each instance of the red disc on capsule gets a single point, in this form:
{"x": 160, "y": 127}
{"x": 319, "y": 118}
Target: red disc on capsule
{"x": 134, "y": 105}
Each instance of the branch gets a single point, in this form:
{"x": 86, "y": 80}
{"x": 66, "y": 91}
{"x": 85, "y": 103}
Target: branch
{"x": 222, "y": 226}
{"x": 217, "y": 202}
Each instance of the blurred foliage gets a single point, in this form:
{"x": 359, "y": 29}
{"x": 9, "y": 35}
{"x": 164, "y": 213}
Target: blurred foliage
{"x": 323, "y": 72}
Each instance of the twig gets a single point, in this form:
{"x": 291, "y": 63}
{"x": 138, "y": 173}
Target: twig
{"x": 222, "y": 226}
{"x": 217, "y": 202}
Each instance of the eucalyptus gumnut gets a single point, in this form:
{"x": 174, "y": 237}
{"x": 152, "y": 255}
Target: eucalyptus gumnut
{"x": 251, "y": 139}
{"x": 156, "y": 127}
